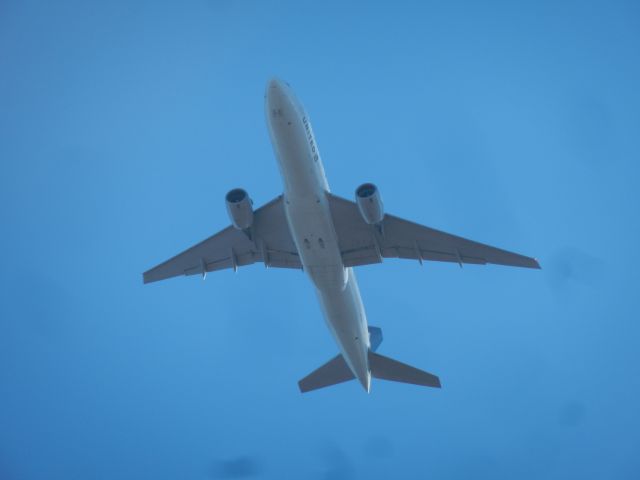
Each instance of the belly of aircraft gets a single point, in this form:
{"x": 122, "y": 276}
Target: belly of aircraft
{"x": 311, "y": 225}
{"x": 345, "y": 318}
{"x": 312, "y": 228}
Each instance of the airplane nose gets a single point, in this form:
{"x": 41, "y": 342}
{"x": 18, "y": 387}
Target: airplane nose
{"x": 280, "y": 101}
{"x": 274, "y": 83}
{"x": 275, "y": 94}
{"x": 275, "y": 89}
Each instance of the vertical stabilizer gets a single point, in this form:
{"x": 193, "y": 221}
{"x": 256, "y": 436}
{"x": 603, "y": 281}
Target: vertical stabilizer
{"x": 375, "y": 337}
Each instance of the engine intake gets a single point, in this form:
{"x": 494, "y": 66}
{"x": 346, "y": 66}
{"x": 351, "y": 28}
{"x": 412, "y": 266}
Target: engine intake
{"x": 370, "y": 203}
{"x": 240, "y": 208}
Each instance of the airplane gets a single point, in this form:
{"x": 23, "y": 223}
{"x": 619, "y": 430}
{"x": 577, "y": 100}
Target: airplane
{"x": 309, "y": 228}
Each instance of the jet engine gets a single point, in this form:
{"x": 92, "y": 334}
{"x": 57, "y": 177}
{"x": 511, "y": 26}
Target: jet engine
{"x": 240, "y": 208}
{"x": 370, "y": 203}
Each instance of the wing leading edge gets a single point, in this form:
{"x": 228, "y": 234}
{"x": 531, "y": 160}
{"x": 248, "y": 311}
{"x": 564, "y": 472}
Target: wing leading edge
{"x": 270, "y": 243}
{"x": 363, "y": 244}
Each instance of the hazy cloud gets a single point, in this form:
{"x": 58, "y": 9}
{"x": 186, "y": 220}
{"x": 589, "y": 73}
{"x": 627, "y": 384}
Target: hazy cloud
{"x": 591, "y": 130}
{"x": 338, "y": 464}
{"x": 239, "y": 467}
{"x": 571, "y": 414}
{"x": 378, "y": 447}
{"x": 570, "y": 265}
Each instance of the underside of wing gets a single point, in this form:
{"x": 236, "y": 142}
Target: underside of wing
{"x": 363, "y": 244}
{"x": 331, "y": 373}
{"x": 269, "y": 242}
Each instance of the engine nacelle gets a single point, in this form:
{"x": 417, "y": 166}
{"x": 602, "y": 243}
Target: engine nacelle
{"x": 240, "y": 208}
{"x": 370, "y": 203}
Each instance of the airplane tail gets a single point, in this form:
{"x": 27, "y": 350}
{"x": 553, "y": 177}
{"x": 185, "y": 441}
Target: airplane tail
{"x": 337, "y": 371}
{"x": 386, "y": 368}
{"x": 334, "y": 371}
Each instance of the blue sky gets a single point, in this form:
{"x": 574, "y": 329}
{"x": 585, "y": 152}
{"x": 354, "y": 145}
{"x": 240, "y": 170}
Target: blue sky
{"x": 123, "y": 125}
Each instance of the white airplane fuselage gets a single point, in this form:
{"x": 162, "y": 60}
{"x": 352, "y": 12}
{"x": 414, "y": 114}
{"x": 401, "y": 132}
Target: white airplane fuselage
{"x": 311, "y": 226}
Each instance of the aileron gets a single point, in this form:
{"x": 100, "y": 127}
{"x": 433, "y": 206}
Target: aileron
{"x": 232, "y": 248}
{"x": 401, "y": 238}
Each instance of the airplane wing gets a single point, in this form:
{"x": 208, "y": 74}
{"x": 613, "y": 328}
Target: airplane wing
{"x": 363, "y": 244}
{"x": 270, "y": 243}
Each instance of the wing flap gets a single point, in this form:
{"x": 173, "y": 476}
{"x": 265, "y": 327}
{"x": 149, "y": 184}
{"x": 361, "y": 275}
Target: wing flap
{"x": 362, "y": 244}
{"x": 440, "y": 246}
{"x": 270, "y": 243}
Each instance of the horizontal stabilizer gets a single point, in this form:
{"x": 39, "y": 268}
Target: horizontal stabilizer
{"x": 334, "y": 371}
{"x": 386, "y": 368}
